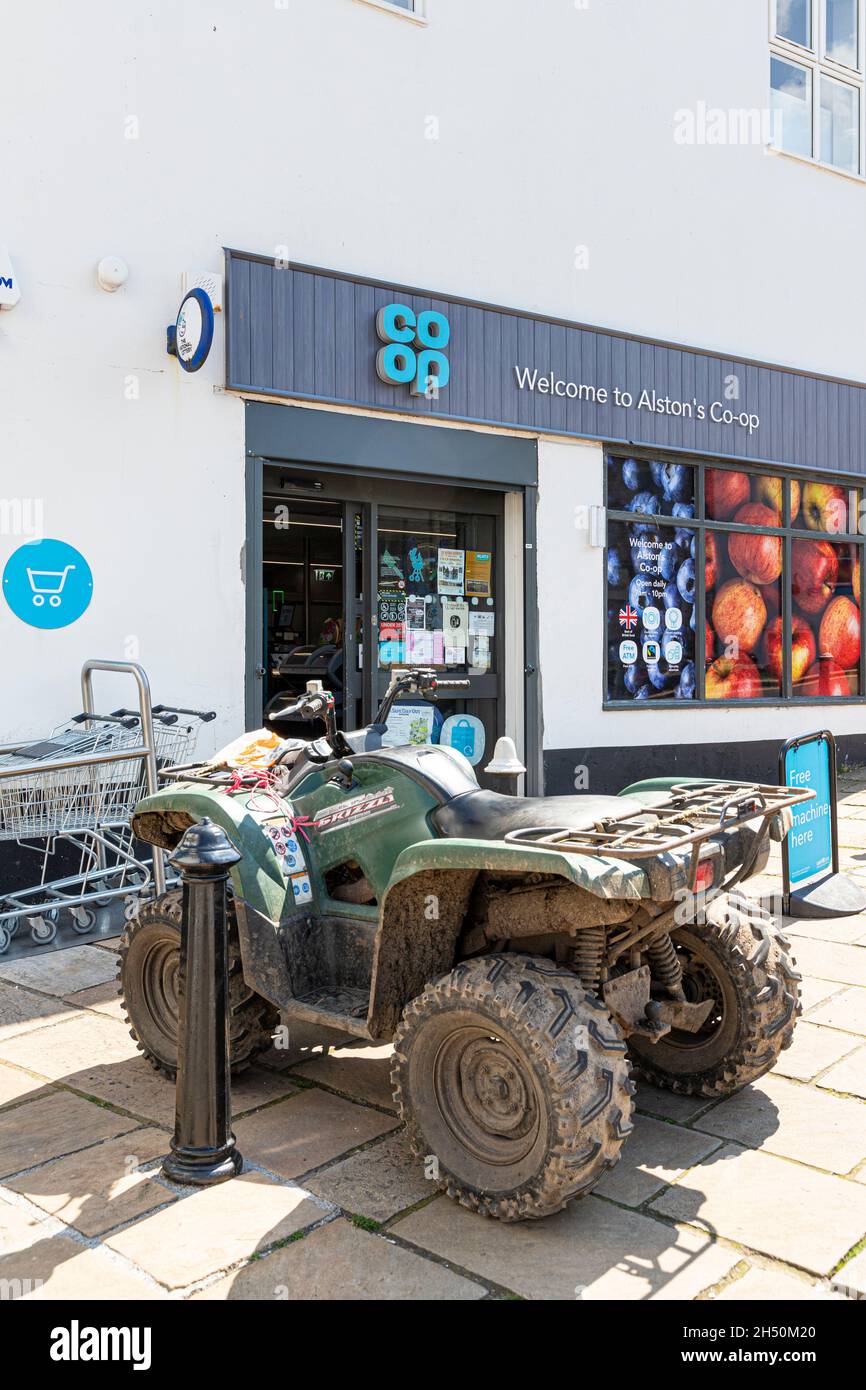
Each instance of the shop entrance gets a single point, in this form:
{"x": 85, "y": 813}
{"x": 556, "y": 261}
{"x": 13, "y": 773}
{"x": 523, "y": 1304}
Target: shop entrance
{"x": 362, "y": 576}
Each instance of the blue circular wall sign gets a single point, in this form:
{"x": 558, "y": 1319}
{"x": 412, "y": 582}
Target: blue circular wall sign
{"x": 193, "y": 331}
{"x": 47, "y": 583}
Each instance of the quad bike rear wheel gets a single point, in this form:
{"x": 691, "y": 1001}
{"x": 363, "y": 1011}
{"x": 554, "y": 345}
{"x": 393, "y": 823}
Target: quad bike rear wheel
{"x": 515, "y": 1082}
{"x": 740, "y": 960}
{"x": 148, "y": 972}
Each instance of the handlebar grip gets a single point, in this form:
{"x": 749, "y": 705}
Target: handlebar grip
{"x": 452, "y": 685}
{"x": 129, "y": 723}
{"x": 204, "y": 715}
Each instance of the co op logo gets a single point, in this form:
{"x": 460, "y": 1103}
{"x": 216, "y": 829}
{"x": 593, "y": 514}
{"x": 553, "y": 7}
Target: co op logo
{"x": 414, "y": 353}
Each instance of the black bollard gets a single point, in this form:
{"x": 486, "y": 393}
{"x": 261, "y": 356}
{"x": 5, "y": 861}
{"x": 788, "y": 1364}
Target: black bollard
{"x": 203, "y": 1147}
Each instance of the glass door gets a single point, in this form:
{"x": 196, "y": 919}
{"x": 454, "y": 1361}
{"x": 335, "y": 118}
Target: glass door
{"x": 365, "y": 575}
{"x": 439, "y": 604}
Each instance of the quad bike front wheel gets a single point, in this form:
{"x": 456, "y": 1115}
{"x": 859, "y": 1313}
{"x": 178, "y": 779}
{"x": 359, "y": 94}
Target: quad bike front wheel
{"x": 513, "y": 1083}
{"x": 148, "y": 972}
{"x": 740, "y": 960}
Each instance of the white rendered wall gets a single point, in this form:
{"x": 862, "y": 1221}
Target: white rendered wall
{"x": 303, "y": 126}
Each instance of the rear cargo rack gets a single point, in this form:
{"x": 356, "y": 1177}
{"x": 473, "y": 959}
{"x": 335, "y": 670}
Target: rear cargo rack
{"x": 684, "y": 819}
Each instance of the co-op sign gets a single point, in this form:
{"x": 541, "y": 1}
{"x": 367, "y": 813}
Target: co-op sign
{"x": 414, "y": 355}
{"x": 720, "y": 412}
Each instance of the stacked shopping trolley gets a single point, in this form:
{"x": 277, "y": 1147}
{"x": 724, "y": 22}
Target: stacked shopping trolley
{"x": 69, "y": 797}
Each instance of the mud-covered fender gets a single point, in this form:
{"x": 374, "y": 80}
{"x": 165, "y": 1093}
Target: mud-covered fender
{"x": 258, "y": 878}
{"x": 606, "y": 878}
{"x": 423, "y": 911}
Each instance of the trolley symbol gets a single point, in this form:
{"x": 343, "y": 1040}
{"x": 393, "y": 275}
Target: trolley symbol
{"x": 43, "y": 590}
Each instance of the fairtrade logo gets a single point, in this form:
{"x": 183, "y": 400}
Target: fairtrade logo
{"x": 414, "y": 353}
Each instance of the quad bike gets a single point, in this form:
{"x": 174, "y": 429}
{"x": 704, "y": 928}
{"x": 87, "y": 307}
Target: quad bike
{"x": 525, "y": 955}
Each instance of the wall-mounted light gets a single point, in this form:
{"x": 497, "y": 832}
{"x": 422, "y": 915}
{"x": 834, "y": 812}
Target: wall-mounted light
{"x": 597, "y": 527}
{"x": 111, "y": 273}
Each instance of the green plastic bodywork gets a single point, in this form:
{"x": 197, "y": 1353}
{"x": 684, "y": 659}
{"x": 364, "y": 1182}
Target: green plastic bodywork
{"x": 389, "y": 847}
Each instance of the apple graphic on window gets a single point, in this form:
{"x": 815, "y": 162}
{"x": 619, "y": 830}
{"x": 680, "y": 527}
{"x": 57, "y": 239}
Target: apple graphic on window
{"x": 725, "y": 492}
{"x": 756, "y": 558}
{"x": 825, "y": 507}
{"x": 733, "y": 678}
{"x": 739, "y": 615}
{"x": 839, "y": 633}
{"x": 769, "y": 491}
{"x": 803, "y": 647}
{"x": 814, "y": 574}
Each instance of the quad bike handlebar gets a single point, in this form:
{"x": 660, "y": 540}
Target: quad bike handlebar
{"x": 316, "y": 703}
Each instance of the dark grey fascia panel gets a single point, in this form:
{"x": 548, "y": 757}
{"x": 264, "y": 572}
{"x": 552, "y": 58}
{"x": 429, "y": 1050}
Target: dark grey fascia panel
{"x": 301, "y": 435}
{"x": 307, "y": 334}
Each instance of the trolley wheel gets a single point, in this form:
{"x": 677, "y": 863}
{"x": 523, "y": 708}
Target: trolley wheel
{"x": 5, "y": 938}
{"x": 38, "y": 600}
{"x": 83, "y": 919}
{"x": 43, "y": 929}
{"x": 55, "y": 601}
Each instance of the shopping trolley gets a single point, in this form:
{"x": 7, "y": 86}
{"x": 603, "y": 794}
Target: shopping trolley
{"x": 77, "y": 789}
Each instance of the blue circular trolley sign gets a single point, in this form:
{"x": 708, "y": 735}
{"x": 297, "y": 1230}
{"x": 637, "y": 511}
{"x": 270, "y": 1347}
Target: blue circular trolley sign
{"x": 47, "y": 583}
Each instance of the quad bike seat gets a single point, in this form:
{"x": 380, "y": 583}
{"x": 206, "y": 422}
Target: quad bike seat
{"x": 484, "y": 815}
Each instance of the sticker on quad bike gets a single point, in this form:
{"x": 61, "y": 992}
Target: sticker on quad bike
{"x": 286, "y": 847}
{"x": 359, "y": 808}
{"x": 290, "y": 858}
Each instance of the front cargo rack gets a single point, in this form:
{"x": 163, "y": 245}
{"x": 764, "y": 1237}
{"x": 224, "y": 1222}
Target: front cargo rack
{"x": 683, "y": 819}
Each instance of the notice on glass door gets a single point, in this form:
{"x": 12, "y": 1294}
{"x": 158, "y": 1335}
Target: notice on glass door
{"x": 478, "y": 571}
{"x": 450, "y": 571}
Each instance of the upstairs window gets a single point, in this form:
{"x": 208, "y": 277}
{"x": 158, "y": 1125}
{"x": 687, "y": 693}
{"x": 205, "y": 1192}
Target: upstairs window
{"x": 816, "y": 80}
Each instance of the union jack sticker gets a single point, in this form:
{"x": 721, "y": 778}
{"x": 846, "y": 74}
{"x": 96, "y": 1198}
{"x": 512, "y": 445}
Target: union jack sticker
{"x": 628, "y": 618}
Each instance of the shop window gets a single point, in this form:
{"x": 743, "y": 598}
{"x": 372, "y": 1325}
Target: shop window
{"x": 816, "y": 80}
{"x": 651, "y": 611}
{"x": 744, "y": 640}
{"x": 751, "y": 593}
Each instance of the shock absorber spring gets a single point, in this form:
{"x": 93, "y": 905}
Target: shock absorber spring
{"x": 664, "y": 964}
{"x": 587, "y": 957}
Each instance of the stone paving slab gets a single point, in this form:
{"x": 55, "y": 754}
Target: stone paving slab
{"x": 779, "y": 1208}
{"x": 51, "y": 1125}
{"x": 57, "y": 1267}
{"x": 303, "y": 1041}
{"x": 846, "y": 1010}
{"x": 851, "y": 1278}
{"x": 814, "y": 992}
{"x": 847, "y": 930}
{"x": 22, "y": 1011}
{"x": 377, "y": 1182}
{"x": 103, "y": 999}
{"x": 16, "y": 1085}
{"x": 18, "y": 1227}
{"x": 302, "y": 1133}
{"x": 655, "y": 1154}
{"x": 101, "y": 1187}
{"x": 652, "y": 1100}
{"x": 849, "y": 1076}
{"x": 214, "y": 1228}
{"x": 338, "y": 1261}
{"x": 62, "y": 972}
{"x": 828, "y": 960}
{"x": 71, "y": 1047}
{"x": 133, "y": 1084}
{"x": 592, "y": 1250}
{"x": 773, "y": 1286}
{"x": 793, "y": 1121}
{"x": 813, "y": 1050}
{"x": 364, "y": 1073}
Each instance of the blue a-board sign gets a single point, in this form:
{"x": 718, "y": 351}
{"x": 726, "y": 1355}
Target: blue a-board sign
{"x": 810, "y": 763}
